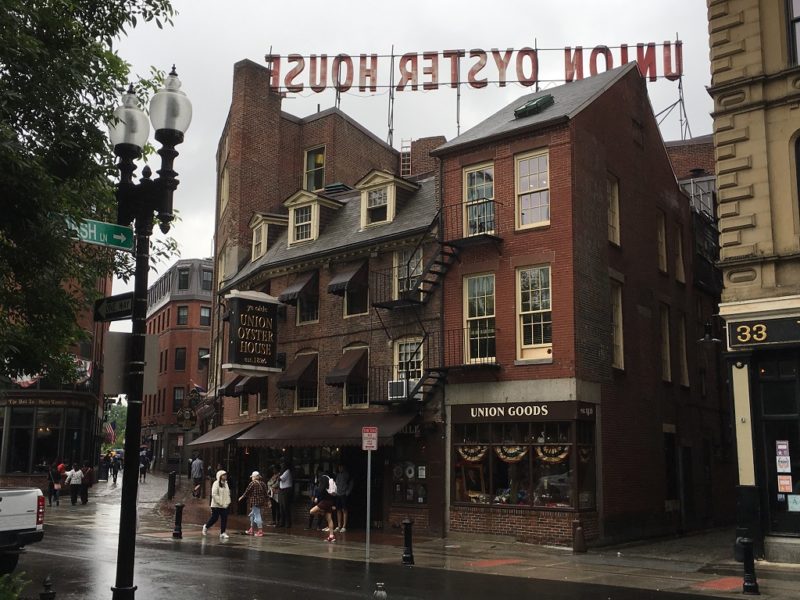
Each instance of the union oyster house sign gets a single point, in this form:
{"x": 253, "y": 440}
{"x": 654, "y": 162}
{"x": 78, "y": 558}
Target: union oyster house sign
{"x": 253, "y": 334}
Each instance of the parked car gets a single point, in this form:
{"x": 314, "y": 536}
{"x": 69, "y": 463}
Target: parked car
{"x": 21, "y": 523}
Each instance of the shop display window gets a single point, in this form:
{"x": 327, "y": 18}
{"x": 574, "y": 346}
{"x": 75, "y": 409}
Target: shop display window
{"x": 525, "y": 464}
{"x": 409, "y": 472}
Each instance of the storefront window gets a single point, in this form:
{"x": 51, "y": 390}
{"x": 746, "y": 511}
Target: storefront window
{"x": 527, "y": 464}
{"x": 48, "y": 429}
{"x": 72, "y": 436}
{"x": 21, "y": 438}
{"x": 409, "y": 471}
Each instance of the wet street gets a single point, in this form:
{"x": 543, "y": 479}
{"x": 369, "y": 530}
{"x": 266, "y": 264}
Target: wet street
{"x": 79, "y": 553}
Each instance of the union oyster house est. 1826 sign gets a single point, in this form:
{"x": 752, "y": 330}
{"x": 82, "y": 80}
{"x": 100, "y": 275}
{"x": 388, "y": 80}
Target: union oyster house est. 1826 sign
{"x": 252, "y": 338}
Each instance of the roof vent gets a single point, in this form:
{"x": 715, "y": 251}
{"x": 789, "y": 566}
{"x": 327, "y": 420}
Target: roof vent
{"x": 533, "y": 107}
{"x": 336, "y": 188}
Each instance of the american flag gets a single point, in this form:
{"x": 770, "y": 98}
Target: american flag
{"x": 109, "y": 429}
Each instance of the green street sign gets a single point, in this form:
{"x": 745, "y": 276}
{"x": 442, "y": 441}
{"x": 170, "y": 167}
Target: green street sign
{"x": 103, "y": 234}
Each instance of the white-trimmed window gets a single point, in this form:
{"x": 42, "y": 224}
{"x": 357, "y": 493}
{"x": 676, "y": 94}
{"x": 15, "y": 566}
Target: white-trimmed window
{"x": 262, "y": 399}
{"x": 306, "y": 394}
{"x": 378, "y": 205}
{"x": 661, "y": 238}
{"x": 301, "y": 223}
{"x": 479, "y": 317}
{"x": 244, "y": 404}
{"x": 617, "y": 339}
{"x": 684, "y": 365}
{"x": 408, "y": 359}
{"x": 408, "y": 266}
{"x": 259, "y": 241}
{"x": 479, "y": 215}
{"x": 533, "y": 190}
{"x": 356, "y": 300}
{"x": 535, "y": 312}
{"x": 224, "y": 189}
{"x": 612, "y": 192}
{"x": 308, "y": 303}
{"x": 356, "y": 393}
{"x": 666, "y": 362}
{"x": 680, "y": 273}
{"x": 314, "y": 177}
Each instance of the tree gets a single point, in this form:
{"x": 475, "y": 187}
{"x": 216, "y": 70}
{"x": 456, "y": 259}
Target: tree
{"x": 60, "y": 77}
{"x": 117, "y": 415}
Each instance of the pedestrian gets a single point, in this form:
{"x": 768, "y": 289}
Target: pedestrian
{"x": 86, "y": 482}
{"x": 74, "y": 480}
{"x": 257, "y": 498}
{"x": 54, "y": 484}
{"x": 313, "y": 494}
{"x": 220, "y": 501}
{"x": 325, "y": 504}
{"x": 144, "y": 463}
{"x": 344, "y": 486}
{"x": 197, "y": 476}
{"x": 105, "y": 466}
{"x": 273, "y": 487}
{"x": 286, "y": 484}
{"x": 116, "y": 463}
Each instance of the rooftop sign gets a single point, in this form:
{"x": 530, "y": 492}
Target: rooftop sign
{"x": 476, "y": 68}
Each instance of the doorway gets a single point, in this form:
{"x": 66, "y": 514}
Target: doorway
{"x": 356, "y": 461}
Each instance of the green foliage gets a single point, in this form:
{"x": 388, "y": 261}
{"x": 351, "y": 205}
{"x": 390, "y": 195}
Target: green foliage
{"x": 11, "y": 586}
{"x": 60, "y": 77}
{"x": 117, "y": 413}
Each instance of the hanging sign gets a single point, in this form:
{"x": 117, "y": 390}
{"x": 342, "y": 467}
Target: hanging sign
{"x": 476, "y": 68}
{"x": 252, "y": 333}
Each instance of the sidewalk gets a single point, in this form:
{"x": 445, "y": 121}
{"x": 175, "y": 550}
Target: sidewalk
{"x": 699, "y": 563}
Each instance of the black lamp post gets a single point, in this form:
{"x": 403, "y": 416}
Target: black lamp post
{"x": 171, "y": 113}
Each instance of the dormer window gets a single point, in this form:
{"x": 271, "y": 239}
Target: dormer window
{"x": 302, "y": 223}
{"x": 258, "y": 241}
{"x": 377, "y": 205}
{"x": 315, "y": 169}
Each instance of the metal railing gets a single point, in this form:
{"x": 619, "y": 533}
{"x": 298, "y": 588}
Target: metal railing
{"x": 470, "y": 219}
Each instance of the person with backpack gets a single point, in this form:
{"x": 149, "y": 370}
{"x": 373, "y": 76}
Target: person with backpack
{"x": 325, "y": 503}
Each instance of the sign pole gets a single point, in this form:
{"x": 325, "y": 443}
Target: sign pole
{"x": 369, "y": 442}
{"x": 369, "y": 497}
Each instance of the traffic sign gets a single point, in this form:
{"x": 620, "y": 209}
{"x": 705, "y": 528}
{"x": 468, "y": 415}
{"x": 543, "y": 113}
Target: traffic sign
{"x": 114, "y": 308}
{"x": 103, "y": 234}
{"x": 369, "y": 438}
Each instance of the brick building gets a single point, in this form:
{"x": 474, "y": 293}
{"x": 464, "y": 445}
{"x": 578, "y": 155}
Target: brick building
{"x": 178, "y": 312}
{"x": 575, "y": 387}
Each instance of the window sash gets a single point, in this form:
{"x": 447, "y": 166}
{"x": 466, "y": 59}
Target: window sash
{"x": 244, "y": 404}
{"x": 684, "y": 364}
{"x": 178, "y": 395}
{"x": 661, "y": 233}
{"x": 377, "y": 198}
{"x": 356, "y": 300}
{"x": 258, "y": 239}
{"x": 308, "y": 308}
{"x": 533, "y": 189}
{"x": 302, "y": 223}
{"x": 535, "y": 314}
{"x": 208, "y": 280}
{"x": 617, "y": 335}
{"x": 180, "y": 359}
{"x": 612, "y": 191}
{"x": 479, "y": 184}
{"x": 480, "y": 313}
{"x": 183, "y": 279}
{"x": 409, "y": 269}
{"x": 205, "y": 315}
{"x": 356, "y": 394}
{"x": 409, "y": 359}
{"x": 680, "y": 273}
{"x": 666, "y": 363}
{"x": 315, "y": 169}
{"x": 183, "y": 315}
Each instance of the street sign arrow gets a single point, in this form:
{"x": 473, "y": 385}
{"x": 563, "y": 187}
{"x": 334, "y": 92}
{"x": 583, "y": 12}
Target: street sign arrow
{"x": 114, "y": 308}
{"x": 103, "y": 234}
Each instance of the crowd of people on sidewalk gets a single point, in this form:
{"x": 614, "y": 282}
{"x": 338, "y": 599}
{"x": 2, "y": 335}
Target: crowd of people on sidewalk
{"x": 328, "y": 494}
{"x": 77, "y": 481}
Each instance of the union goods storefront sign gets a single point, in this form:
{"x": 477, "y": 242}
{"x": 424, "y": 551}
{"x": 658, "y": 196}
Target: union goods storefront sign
{"x": 522, "y": 411}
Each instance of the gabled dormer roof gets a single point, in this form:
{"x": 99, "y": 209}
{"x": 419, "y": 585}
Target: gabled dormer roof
{"x": 378, "y": 177}
{"x": 269, "y": 219}
{"x": 301, "y": 197}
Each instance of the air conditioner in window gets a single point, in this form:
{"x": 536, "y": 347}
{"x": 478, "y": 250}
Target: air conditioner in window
{"x": 398, "y": 389}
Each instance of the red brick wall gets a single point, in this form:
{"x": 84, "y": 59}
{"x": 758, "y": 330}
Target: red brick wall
{"x": 398, "y": 512}
{"x": 687, "y": 155}
{"x": 524, "y": 525}
{"x": 421, "y": 159}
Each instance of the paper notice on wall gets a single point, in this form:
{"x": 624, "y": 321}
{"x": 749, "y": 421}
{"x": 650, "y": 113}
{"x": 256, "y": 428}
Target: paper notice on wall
{"x": 781, "y": 447}
{"x": 784, "y": 464}
{"x": 794, "y": 502}
{"x": 785, "y": 483}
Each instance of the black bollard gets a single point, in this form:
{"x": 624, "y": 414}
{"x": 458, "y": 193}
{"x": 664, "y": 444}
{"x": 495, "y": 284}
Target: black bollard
{"x": 578, "y": 538}
{"x": 380, "y": 592}
{"x": 177, "y": 533}
{"x": 48, "y": 593}
{"x": 171, "y": 486}
{"x": 750, "y": 585}
{"x": 408, "y": 553}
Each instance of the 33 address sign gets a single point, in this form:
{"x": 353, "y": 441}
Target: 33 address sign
{"x": 764, "y": 331}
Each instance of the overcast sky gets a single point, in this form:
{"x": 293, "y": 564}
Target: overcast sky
{"x": 209, "y": 36}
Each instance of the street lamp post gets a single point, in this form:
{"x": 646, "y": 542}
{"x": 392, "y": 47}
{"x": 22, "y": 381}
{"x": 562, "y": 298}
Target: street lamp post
{"x": 170, "y": 113}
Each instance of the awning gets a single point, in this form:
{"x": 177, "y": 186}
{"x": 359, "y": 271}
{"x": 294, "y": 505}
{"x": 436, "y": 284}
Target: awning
{"x": 352, "y": 367}
{"x": 294, "y": 291}
{"x": 219, "y": 435}
{"x": 323, "y": 430}
{"x": 349, "y": 276}
{"x": 250, "y": 385}
{"x": 229, "y": 389}
{"x": 303, "y": 368}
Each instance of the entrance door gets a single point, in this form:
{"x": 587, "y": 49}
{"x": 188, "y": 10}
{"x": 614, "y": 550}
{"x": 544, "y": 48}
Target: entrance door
{"x": 356, "y": 461}
{"x": 780, "y": 438}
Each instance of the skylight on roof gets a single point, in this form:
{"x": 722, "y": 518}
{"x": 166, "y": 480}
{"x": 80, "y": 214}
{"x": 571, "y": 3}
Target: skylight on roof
{"x": 534, "y": 106}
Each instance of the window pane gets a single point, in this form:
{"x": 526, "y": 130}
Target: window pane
{"x": 183, "y": 315}
{"x": 22, "y": 416}
{"x": 208, "y": 278}
{"x": 205, "y": 315}
{"x": 19, "y": 450}
{"x": 779, "y": 397}
{"x": 552, "y": 475}
{"x": 183, "y": 279}
{"x": 180, "y": 359}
